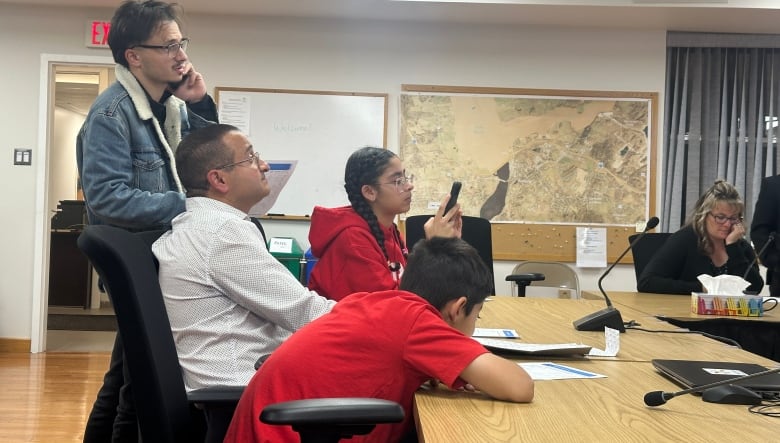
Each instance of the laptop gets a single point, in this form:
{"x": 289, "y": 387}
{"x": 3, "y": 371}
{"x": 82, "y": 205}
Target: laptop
{"x": 691, "y": 373}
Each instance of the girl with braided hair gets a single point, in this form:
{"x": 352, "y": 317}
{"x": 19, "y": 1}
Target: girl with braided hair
{"x": 359, "y": 246}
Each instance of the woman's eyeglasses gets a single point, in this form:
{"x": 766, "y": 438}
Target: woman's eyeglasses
{"x": 401, "y": 182}
{"x": 722, "y": 219}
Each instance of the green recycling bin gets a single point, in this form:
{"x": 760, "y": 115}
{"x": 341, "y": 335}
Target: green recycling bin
{"x": 289, "y": 253}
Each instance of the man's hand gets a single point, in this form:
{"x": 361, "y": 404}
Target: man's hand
{"x": 192, "y": 87}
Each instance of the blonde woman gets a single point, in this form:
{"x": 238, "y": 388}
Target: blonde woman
{"x": 711, "y": 242}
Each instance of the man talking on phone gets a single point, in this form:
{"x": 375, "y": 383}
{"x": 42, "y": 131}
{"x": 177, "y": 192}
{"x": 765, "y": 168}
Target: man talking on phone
{"x": 125, "y": 157}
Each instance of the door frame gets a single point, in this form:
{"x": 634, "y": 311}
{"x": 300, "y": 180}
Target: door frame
{"x": 41, "y": 226}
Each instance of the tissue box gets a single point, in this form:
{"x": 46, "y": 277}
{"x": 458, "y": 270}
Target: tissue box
{"x": 736, "y": 305}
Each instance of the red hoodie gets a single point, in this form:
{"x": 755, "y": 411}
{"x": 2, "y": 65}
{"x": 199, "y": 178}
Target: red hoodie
{"x": 350, "y": 259}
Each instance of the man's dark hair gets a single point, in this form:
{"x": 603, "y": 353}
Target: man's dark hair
{"x": 199, "y": 152}
{"x": 135, "y": 21}
{"x": 443, "y": 269}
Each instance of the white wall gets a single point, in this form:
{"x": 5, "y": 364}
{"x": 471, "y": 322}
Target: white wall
{"x": 306, "y": 54}
{"x": 63, "y": 172}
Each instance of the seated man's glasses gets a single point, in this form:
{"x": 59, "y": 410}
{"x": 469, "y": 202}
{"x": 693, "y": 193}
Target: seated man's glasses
{"x": 254, "y": 158}
{"x": 171, "y": 49}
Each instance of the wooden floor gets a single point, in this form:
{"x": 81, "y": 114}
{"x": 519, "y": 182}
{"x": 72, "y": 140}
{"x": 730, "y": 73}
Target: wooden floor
{"x": 47, "y": 397}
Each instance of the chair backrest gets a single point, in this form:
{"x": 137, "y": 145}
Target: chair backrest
{"x": 556, "y": 275}
{"x": 476, "y": 232}
{"x": 645, "y": 248}
{"x": 128, "y": 271}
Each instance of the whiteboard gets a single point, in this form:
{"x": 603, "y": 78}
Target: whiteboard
{"x": 317, "y": 129}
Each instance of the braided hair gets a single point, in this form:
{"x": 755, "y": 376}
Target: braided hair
{"x": 364, "y": 167}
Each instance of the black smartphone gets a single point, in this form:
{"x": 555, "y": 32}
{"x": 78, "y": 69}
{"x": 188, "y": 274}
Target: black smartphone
{"x": 454, "y": 192}
{"x": 172, "y": 86}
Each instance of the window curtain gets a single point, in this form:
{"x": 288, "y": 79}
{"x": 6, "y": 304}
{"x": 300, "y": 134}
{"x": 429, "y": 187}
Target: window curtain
{"x": 720, "y": 122}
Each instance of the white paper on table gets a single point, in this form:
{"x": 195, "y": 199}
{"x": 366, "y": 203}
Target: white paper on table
{"x": 495, "y": 332}
{"x": 555, "y": 371}
{"x": 612, "y": 339}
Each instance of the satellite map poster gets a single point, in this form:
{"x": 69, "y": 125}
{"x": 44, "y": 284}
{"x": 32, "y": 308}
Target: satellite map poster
{"x": 531, "y": 156}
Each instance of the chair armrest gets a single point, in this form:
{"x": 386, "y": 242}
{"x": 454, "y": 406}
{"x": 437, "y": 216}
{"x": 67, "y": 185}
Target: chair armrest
{"x": 519, "y": 278}
{"x": 333, "y": 411}
{"x": 216, "y": 394}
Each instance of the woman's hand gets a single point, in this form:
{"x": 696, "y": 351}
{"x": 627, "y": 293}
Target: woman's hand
{"x": 737, "y": 232}
{"x": 445, "y": 225}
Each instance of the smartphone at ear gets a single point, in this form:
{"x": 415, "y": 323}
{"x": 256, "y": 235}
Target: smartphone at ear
{"x": 454, "y": 192}
{"x": 175, "y": 85}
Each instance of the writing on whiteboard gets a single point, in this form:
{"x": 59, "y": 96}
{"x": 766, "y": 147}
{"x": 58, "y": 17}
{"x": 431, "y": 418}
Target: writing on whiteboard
{"x": 292, "y": 128}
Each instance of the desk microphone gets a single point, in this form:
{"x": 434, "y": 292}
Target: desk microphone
{"x": 657, "y": 398}
{"x": 769, "y": 240}
{"x": 610, "y": 316}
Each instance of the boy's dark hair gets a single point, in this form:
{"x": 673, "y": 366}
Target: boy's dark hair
{"x": 199, "y": 152}
{"x": 135, "y": 21}
{"x": 443, "y": 269}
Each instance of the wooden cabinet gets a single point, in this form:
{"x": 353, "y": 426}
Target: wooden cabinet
{"x": 70, "y": 274}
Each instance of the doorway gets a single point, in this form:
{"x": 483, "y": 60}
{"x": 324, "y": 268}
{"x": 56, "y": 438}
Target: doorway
{"x": 69, "y": 85}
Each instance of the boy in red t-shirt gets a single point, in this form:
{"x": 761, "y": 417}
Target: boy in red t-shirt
{"x": 386, "y": 345}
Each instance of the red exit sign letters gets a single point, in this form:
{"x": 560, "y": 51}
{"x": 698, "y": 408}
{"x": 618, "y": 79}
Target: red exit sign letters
{"x": 97, "y": 34}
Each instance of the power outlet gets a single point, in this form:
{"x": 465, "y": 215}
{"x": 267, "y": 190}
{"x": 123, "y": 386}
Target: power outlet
{"x": 564, "y": 293}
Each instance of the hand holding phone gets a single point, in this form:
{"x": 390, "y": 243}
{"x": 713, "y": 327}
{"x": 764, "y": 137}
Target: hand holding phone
{"x": 454, "y": 192}
{"x": 173, "y": 86}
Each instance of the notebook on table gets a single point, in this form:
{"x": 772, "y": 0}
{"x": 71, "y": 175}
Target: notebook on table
{"x": 692, "y": 373}
{"x": 515, "y": 347}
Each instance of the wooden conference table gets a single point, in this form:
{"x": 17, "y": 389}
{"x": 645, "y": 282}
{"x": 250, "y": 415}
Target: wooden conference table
{"x": 590, "y": 410}
{"x": 759, "y": 335}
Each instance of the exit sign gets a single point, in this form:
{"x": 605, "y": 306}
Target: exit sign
{"x": 97, "y": 34}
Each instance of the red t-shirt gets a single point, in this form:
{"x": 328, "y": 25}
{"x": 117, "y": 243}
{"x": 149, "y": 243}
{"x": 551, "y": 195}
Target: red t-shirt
{"x": 381, "y": 345}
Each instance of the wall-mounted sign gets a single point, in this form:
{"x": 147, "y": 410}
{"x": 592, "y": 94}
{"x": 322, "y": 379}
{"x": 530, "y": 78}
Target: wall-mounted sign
{"x": 97, "y": 34}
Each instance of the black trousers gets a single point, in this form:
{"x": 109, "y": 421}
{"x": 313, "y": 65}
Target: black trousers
{"x": 113, "y": 417}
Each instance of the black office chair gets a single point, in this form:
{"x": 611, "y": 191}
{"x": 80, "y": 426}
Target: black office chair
{"x": 645, "y": 248}
{"x": 476, "y": 232}
{"x": 328, "y": 420}
{"x": 166, "y": 412}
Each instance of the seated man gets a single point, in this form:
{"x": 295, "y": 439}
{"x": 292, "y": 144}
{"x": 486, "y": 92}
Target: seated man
{"x": 228, "y": 299}
{"x": 386, "y": 344}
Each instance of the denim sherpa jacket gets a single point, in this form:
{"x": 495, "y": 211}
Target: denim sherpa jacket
{"x": 126, "y": 160}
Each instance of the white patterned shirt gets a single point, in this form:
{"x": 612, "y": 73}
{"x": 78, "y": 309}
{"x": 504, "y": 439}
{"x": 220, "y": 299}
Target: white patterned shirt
{"x": 228, "y": 299}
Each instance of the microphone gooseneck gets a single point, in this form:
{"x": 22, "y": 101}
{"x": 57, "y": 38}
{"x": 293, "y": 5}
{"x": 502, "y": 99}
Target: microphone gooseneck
{"x": 609, "y": 316}
{"x": 657, "y": 398}
{"x": 769, "y": 240}
{"x": 652, "y": 223}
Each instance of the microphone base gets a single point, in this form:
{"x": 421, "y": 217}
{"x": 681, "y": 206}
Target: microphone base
{"x": 596, "y": 321}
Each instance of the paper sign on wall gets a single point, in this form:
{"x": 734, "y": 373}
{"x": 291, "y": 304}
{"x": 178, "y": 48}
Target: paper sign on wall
{"x": 591, "y": 247}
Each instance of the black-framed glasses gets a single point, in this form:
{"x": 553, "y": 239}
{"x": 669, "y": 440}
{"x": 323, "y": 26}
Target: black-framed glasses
{"x": 254, "y": 158}
{"x": 722, "y": 219}
{"x": 171, "y": 49}
{"x": 401, "y": 182}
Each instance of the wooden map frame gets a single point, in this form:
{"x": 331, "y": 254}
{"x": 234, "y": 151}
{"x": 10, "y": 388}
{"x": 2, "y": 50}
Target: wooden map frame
{"x": 557, "y": 242}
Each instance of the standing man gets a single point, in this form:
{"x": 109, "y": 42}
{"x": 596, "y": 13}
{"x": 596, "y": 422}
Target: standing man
{"x": 766, "y": 220}
{"x": 125, "y": 157}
